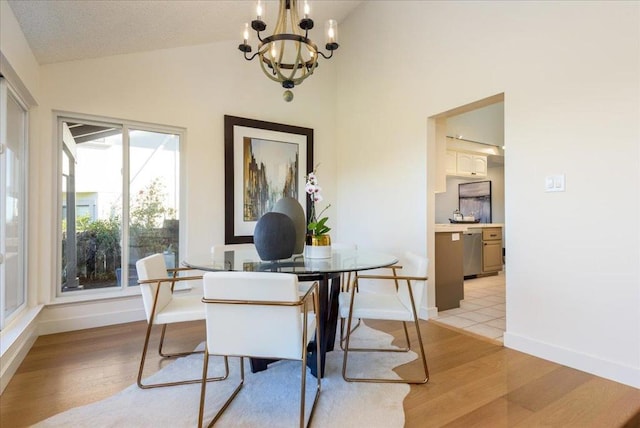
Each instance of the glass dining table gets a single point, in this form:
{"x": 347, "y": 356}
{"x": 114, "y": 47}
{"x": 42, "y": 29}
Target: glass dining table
{"x": 327, "y": 272}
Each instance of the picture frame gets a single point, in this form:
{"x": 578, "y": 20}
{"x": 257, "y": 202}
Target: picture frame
{"x": 474, "y": 199}
{"x": 262, "y": 160}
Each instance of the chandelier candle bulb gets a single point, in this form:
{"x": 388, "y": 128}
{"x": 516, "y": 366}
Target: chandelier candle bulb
{"x": 245, "y": 33}
{"x": 331, "y": 28}
{"x": 260, "y": 10}
{"x": 306, "y": 9}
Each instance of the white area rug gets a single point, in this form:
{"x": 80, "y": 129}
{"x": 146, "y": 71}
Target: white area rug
{"x": 268, "y": 398}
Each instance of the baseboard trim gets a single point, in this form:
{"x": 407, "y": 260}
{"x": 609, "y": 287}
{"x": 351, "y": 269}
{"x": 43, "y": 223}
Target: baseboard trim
{"x": 588, "y": 363}
{"x": 17, "y": 339}
{"x": 90, "y": 321}
{"x": 428, "y": 313}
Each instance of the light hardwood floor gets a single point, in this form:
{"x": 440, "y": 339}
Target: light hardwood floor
{"x": 474, "y": 382}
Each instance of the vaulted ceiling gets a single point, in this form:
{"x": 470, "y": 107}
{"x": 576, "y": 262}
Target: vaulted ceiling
{"x": 65, "y": 30}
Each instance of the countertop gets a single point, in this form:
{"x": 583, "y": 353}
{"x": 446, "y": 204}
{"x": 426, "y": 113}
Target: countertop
{"x": 451, "y": 227}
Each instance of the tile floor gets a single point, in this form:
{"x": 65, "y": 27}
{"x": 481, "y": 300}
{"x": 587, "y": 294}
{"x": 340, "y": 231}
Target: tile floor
{"x": 483, "y": 309}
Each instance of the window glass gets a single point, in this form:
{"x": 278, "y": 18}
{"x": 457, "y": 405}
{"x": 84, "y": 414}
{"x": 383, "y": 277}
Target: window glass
{"x": 12, "y": 192}
{"x": 107, "y": 207}
{"x": 154, "y": 183}
{"x": 91, "y": 206}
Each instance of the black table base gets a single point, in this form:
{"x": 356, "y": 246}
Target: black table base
{"x": 328, "y": 291}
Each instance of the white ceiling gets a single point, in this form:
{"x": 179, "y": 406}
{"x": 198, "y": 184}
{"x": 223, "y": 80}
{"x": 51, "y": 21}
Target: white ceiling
{"x": 65, "y": 30}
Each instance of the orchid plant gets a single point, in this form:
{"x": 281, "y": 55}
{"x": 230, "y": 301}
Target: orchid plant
{"x": 315, "y": 226}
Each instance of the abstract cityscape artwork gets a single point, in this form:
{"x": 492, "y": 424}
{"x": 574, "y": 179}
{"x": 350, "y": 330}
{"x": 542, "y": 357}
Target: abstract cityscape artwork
{"x": 264, "y": 161}
{"x": 270, "y": 173}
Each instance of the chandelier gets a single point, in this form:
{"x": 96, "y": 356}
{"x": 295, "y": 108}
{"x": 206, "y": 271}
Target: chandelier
{"x": 288, "y": 56}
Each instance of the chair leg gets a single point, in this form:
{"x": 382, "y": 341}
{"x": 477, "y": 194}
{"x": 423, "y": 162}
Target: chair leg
{"x": 203, "y": 391}
{"x": 424, "y": 356}
{"x": 406, "y": 335}
{"x": 174, "y": 355}
{"x": 342, "y": 336}
{"x": 347, "y": 288}
{"x": 379, "y": 380}
{"x": 351, "y": 349}
{"x": 184, "y": 382}
{"x": 303, "y": 377}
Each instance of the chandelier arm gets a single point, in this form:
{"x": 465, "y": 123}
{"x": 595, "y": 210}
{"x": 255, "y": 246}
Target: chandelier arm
{"x": 252, "y": 56}
{"x": 324, "y": 56}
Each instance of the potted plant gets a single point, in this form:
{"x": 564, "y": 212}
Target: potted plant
{"x": 318, "y": 242}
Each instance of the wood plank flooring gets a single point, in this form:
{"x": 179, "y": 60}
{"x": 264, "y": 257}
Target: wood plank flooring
{"x": 474, "y": 382}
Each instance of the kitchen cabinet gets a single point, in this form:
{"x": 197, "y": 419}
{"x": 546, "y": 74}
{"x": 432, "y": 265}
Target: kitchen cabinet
{"x": 465, "y": 164}
{"x": 468, "y": 164}
{"x": 491, "y": 249}
{"x": 452, "y": 162}
{"x": 449, "y": 273}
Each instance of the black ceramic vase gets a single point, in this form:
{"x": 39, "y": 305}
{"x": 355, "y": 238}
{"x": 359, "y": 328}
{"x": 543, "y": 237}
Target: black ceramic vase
{"x": 274, "y": 236}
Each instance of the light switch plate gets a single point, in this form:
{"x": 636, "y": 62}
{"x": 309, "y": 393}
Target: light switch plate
{"x": 554, "y": 183}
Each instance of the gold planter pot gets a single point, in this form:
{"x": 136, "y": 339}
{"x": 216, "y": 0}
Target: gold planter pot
{"x": 317, "y": 247}
{"x": 318, "y": 241}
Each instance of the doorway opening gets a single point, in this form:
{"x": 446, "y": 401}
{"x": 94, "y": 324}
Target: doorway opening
{"x": 466, "y": 145}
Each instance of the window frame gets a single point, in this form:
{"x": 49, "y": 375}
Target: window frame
{"x": 60, "y": 297}
{"x": 9, "y": 91}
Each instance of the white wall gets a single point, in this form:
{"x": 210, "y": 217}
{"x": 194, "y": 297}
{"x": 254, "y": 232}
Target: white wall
{"x": 570, "y": 74}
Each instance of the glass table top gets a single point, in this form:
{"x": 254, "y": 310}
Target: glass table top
{"x": 243, "y": 257}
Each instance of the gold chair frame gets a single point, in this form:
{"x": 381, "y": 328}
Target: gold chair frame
{"x": 311, "y": 293}
{"x": 160, "y": 281}
{"x": 347, "y": 288}
{"x": 349, "y": 330}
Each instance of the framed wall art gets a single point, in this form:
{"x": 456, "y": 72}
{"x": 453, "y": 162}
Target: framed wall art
{"x": 264, "y": 161}
{"x": 474, "y": 199}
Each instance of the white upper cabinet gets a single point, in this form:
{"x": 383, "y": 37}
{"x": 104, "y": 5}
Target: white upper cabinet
{"x": 452, "y": 161}
{"x": 467, "y": 164}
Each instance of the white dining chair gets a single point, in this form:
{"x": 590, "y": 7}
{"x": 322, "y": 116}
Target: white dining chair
{"x": 218, "y": 250}
{"x": 163, "y": 306}
{"x": 399, "y": 304}
{"x": 259, "y": 315}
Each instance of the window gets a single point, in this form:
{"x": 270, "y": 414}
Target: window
{"x": 119, "y": 200}
{"x": 13, "y": 166}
